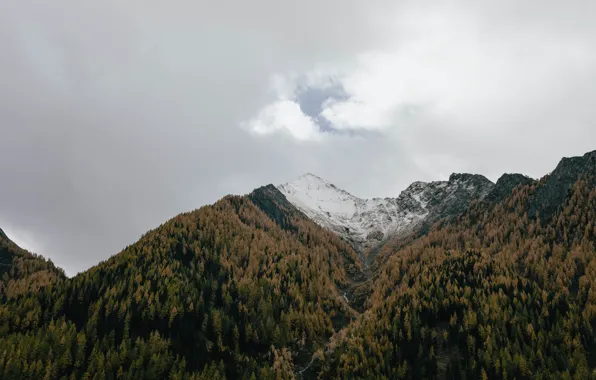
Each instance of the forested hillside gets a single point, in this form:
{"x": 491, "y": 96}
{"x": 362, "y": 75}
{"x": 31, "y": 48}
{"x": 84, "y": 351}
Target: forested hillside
{"x": 250, "y": 288}
{"x": 223, "y": 291}
{"x": 22, "y": 271}
{"x": 499, "y": 294}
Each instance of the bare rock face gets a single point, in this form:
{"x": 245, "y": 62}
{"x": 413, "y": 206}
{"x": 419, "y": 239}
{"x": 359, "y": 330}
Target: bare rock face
{"x": 505, "y": 185}
{"x": 555, "y": 187}
{"x": 368, "y": 222}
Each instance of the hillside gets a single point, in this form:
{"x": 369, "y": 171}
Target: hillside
{"x": 502, "y": 293}
{"x": 221, "y": 291}
{"x": 489, "y": 281}
{"x": 22, "y": 271}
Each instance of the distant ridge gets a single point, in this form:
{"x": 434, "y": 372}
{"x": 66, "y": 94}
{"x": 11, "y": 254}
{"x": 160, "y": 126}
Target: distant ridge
{"x": 368, "y": 222}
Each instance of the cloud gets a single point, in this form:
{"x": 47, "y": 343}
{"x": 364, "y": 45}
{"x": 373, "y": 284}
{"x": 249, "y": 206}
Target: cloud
{"x": 115, "y": 116}
{"x": 449, "y": 63}
{"x": 284, "y": 115}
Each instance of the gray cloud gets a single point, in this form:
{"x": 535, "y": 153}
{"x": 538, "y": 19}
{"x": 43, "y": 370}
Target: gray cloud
{"x": 116, "y": 116}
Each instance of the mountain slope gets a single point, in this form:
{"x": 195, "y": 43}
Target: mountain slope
{"x": 497, "y": 294}
{"x": 368, "y": 222}
{"x": 505, "y": 185}
{"x": 276, "y": 206}
{"x": 223, "y": 284}
{"x": 22, "y": 271}
{"x": 560, "y": 181}
{"x": 252, "y": 288}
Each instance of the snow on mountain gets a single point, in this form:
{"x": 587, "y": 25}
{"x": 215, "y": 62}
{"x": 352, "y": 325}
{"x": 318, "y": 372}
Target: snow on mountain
{"x": 367, "y": 222}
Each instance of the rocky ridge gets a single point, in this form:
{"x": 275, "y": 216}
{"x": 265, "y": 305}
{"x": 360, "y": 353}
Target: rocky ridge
{"x": 368, "y": 222}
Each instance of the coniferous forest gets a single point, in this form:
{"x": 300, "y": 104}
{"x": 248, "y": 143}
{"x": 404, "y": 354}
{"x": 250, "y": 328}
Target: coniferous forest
{"x": 250, "y": 288}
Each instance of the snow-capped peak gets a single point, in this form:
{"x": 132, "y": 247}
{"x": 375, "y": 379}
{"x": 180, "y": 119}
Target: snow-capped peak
{"x": 310, "y": 192}
{"x": 311, "y": 177}
{"x": 366, "y": 222}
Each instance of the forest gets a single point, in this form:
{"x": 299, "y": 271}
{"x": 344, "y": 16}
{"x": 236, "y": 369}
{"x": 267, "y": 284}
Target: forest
{"x": 249, "y": 288}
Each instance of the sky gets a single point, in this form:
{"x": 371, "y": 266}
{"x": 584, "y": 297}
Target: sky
{"x": 117, "y": 115}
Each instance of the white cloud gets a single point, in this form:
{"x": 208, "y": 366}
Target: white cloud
{"x": 454, "y": 65}
{"x": 284, "y": 116}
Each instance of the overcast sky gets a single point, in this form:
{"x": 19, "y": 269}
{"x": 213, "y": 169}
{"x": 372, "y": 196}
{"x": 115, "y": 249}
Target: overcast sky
{"x": 117, "y": 115}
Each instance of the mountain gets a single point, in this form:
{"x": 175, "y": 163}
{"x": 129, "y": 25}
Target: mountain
{"x": 505, "y": 185}
{"x": 496, "y": 294}
{"x": 22, "y": 271}
{"x": 276, "y": 206}
{"x": 229, "y": 290}
{"x": 477, "y": 280}
{"x": 368, "y": 222}
{"x": 557, "y": 185}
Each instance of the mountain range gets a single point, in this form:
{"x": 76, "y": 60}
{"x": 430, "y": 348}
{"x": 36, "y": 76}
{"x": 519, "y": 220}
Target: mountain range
{"x": 462, "y": 278}
{"x": 367, "y": 222}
